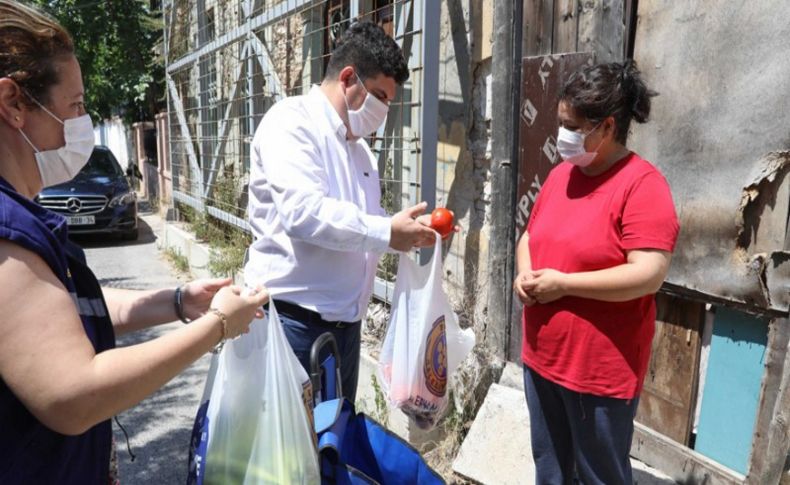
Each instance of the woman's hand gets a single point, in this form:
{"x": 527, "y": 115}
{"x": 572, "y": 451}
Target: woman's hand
{"x": 240, "y": 307}
{"x": 519, "y": 288}
{"x": 546, "y": 285}
{"x": 197, "y": 295}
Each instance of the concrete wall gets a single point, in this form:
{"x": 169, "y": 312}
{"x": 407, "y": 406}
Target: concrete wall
{"x": 719, "y": 133}
{"x": 114, "y": 134}
{"x": 464, "y": 152}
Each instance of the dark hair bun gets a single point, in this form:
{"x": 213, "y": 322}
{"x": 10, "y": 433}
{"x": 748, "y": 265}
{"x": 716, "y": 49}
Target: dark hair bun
{"x": 610, "y": 89}
{"x": 635, "y": 91}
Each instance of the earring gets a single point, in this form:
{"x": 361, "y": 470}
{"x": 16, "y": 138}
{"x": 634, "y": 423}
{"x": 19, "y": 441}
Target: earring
{"x": 16, "y": 118}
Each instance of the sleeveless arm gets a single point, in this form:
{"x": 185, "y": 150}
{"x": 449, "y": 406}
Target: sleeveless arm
{"x": 48, "y": 362}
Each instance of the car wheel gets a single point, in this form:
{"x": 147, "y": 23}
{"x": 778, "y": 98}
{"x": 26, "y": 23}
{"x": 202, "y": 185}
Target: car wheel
{"x": 131, "y": 235}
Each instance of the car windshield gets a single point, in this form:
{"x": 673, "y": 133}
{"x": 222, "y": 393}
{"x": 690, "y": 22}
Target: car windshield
{"x": 102, "y": 164}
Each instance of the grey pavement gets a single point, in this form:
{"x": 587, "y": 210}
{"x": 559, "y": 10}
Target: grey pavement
{"x": 159, "y": 427}
{"x": 485, "y": 458}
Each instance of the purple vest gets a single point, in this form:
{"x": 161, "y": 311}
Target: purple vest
{"x": 29, "y": 451}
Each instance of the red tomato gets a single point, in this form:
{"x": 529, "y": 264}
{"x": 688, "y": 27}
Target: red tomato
{"x": 442, "y": 221}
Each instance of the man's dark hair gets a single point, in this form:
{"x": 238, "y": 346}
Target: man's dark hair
{"x": 367, "y": 48}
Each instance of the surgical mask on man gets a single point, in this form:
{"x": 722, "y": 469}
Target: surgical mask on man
{"x": 570, "y": 144}
{"x": 369, "y": 117}
{"x": 63, "y": 164}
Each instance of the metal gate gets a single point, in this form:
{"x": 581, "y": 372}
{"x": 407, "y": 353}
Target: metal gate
{"x": 229, "y": 61}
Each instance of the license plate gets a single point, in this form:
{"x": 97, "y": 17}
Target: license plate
{"x": 81, "y": 220}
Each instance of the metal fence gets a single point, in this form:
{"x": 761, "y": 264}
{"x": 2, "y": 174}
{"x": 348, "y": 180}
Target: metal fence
{"x": 229, "y": 61}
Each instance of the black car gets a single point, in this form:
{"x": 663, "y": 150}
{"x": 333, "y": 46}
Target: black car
{"x": 99, "y": 199}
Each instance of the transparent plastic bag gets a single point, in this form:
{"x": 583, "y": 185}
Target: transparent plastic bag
{"x": 259, "y": 416}
{"x": 424, "y": 343}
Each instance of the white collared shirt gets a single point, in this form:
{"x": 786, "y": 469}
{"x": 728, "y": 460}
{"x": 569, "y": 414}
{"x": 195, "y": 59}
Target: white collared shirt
{"x": 315, "y": 210}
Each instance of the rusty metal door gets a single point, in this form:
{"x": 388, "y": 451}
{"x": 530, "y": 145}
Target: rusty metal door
{"x": 542, "y": 78}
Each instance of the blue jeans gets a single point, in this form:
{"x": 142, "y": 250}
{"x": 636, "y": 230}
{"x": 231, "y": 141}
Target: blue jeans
{"x": 302, "y": 335}
{"x": 578, "y": 436}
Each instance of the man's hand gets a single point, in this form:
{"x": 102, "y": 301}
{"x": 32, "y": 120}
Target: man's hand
{"x": 199, "y": 293}
{"x": 425, "y": 220}
{"x": 518, "y": 287}
{"x": 546, "y": 285}
{"x": 406, "y": 233}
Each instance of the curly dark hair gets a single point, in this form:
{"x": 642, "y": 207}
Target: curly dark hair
{"x": 371, "y": 52}
{"x": 613, "y": 89}
{"x": 31, "y": 42}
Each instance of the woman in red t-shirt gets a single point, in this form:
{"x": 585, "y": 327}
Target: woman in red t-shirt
{"x": 596, "y": 249}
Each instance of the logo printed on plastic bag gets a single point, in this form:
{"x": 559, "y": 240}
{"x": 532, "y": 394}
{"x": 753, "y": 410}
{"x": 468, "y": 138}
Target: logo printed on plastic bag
{"x": 435, "y": 366}
{"x": 424, "y": 344}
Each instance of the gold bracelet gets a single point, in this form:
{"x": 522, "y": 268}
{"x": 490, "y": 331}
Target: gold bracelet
{"x": 224, "y": 320}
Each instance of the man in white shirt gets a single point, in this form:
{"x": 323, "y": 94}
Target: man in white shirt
{"x": 314, "y": 194}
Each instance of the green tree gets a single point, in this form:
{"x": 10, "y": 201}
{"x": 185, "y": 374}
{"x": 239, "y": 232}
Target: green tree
{"x": 117, "y": 43}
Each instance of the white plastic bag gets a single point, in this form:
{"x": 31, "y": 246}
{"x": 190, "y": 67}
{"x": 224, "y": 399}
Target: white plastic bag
{"x": 424, "y": 344}
{"x": 260, "y": 427}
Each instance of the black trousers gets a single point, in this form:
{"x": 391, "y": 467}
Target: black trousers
{"x": 578, "y": 437}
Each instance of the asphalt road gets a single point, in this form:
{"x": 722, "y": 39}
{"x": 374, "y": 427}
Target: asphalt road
{"x": 159, "y": 427}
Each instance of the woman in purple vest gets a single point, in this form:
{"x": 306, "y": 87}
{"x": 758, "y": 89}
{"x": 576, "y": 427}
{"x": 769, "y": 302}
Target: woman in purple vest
{"x": 61, "y": 379}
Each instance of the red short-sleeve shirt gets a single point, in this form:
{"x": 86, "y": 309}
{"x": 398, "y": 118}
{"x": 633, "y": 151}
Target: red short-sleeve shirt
{"x": 581, "y": 223}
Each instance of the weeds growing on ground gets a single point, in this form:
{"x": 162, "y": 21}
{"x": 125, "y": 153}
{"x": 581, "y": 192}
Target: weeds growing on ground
{"x": 227, "y": 242}
{"x": 227, "y": 259}
{"x": 382, "y": 412}
{"x": 178, "y": 260}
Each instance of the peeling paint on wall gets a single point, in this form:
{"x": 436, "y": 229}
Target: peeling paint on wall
{"x": 719, "y": 134}
{"x": 759, "y": 193}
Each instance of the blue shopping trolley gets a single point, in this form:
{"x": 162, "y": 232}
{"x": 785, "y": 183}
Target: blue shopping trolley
{"x": 352, "y": 447}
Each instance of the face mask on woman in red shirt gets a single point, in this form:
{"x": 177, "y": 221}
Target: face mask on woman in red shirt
{"x": 570, "y": 144}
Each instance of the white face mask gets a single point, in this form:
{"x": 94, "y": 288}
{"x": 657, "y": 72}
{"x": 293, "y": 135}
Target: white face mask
{"x": 570, "y": 144}
{"x": 369, "y": 117}
{"x": 63, "y": 164}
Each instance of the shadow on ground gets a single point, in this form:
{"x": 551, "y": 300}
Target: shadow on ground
{"x": 159, "y": 427}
